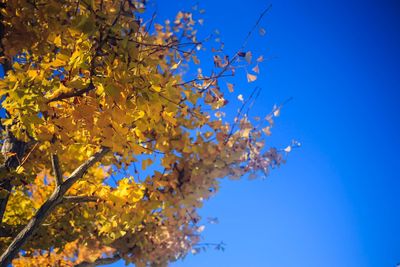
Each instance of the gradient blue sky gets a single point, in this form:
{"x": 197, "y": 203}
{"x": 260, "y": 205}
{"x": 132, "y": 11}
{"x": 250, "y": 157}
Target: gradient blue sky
{"x": 336, "y": 203}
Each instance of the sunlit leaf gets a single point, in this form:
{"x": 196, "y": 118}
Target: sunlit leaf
{"x": 256, "y": 69}
{"x": 251, "y": 77}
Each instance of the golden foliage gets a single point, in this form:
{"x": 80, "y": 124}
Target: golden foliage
{"x": 89, "y": 74}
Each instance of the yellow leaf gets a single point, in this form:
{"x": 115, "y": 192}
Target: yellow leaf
{"x": 139, "y": 114}
{"x": 61, "y": 60}
{"x": 208, "y": 134}
{"x": 20, "y": 169}
{"x": 245, "y": 132}
{"x": 156, "y": 88}
{"x": 137, "y": 150}
{"x": 6, "y": 122}
{"x": 100, "y": 89}
{"x": 32, "y": 74}
{"x": 169, "y": 117}
{"x": 57, "y": 40}
{"x": 176, "y": 65}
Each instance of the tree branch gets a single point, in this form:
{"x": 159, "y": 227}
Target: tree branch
{"x": 79, "y": 199}
{"x": 12, "y": 150}
{"x": 4, "y": 185}
{"x": 80, "y": 171}
{"x": 7, "y": 230}
{"x": 101, "y": 261}
{"x": 56, "y": 168}
{"x": 90, "y": 87}
{"x": 265, "y": 11}
{"x": 62, "y": 96}
{"x": 47, "y": 207}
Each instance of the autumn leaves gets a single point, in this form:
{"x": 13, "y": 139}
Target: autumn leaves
{"x": 94, "y": 78}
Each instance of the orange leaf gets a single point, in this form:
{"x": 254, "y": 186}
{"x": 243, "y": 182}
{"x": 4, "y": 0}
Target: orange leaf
{"x": 256, "y": 69}
{"x": 230, "y": 87}
{"x": 251, "y": 77}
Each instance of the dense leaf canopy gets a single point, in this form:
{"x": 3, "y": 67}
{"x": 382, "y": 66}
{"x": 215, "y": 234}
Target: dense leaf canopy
{"x": 91, "y": 89}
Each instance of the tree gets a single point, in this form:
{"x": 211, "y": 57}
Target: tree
{"x": 91, "y": 90}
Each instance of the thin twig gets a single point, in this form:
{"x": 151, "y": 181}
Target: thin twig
{"x": 79, "y": 199}
{"x": 100, "y": 261}
{"x": 246, "y": 40}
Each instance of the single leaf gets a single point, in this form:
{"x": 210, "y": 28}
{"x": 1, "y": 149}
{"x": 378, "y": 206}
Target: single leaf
{"x": 230, "y": 87}
{"x": 256, "y": 69}
{"x": 267, "y": 130}
{"x": 57, "y": 40}
{"x": 248, "y": 57}
{"x": 277, "y": 112}
{"x": 251, "y": 77}
{"x": 288, "y": 149}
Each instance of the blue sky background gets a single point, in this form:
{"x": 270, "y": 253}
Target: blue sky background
{"x": 336, "y": 202}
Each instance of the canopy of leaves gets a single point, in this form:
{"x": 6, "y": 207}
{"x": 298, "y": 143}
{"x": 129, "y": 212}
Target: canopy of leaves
{"x": 88, "y": 82}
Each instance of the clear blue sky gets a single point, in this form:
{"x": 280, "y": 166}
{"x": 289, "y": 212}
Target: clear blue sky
{"x": 336, "y": 203}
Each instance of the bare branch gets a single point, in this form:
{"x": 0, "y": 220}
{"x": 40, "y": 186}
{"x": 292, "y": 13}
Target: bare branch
{"x": 99, "y": 262}
{"x": 228, "y": 65}
{"x": 56, "y": 168}
{"x": 47, "y": 207}
{"x": 265, "y": 11}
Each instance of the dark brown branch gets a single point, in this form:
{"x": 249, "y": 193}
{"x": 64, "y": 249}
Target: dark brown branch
{"x": 99, "y": 262}
{"x": 13, "y": 151}
{"x": 6, "y": 63}
{"x": 211, "y": 78}
{"x": 79, "y": 199}
{"x": 63, "y": 96}
{"x": 56, "y": 168}
{"x": 4, "y": 185}
{"x": 7, "y": 230}
{"x": 43, "y": 212}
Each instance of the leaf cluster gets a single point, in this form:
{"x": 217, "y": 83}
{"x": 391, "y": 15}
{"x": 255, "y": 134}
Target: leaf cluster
{"x": 92, "y": 91}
